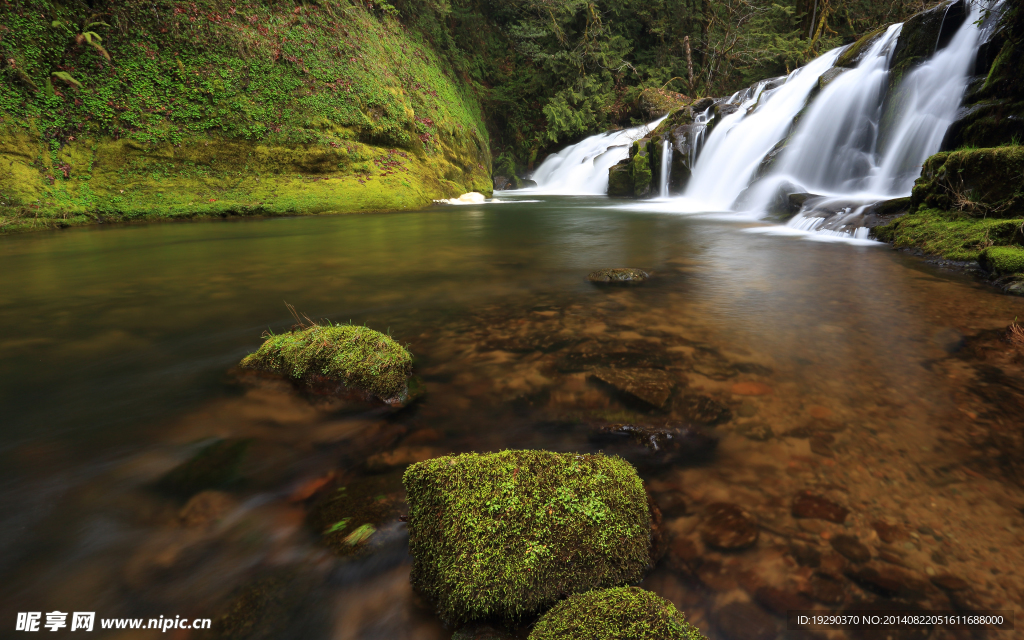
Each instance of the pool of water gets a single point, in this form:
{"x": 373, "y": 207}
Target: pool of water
{"x": 856, "y": 375}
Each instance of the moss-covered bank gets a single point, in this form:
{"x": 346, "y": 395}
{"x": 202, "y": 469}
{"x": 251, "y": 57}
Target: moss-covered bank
{"x": 625, "y": 613}
{"x": 508, "y": 534}
{"x": 165, "y": 110}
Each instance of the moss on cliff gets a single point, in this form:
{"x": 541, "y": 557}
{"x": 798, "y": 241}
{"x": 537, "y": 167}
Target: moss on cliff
{"x": 508, "y": 534}
{"x": 212, "y": 109}
{"x": 355, "y": 356}
{"x": 625, "y": 613}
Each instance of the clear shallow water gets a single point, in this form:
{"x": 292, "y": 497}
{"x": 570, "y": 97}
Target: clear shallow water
{"x": 885, "y": 386}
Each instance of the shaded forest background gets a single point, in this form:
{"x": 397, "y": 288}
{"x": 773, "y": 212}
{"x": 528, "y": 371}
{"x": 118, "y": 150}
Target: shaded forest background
{"x": 553, "y": 71}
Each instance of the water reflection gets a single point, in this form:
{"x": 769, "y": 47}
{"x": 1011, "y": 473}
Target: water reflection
{"x": 850, "y": 374}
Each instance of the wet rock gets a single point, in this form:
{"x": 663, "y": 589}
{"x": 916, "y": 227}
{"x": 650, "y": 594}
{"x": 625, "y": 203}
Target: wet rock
{"x": 701, "y": 409}
{"x": 273, "y": 606}
{"x": 482, "y": 632}
{"x": 167, "y": 556}
{"x": 618, "y": 276}
{"x": 652, "y": 446}
{"x": 756, "y": 431}
{"x": 716, "y": 576}
{"x": 888, "y": 533}
{"x": 781, "y": 601}
{"x": 728, "y": 527}
{"x": 620, "y": 180}
{"x": 507, "y": 534}
{"x": 400, "y": 457}
{"x": 745, "y": 621}
{"x": 824, "y": 588}
{"x": 851, "y": 548}
{"x": 349, "y": 517}
{"x": 809, "y": 505}
{"x": 216, "y": 466}
{"x": 651, "y": 388}
{"x": 751, "y": 389}
{"x": 592, "y": 354}
{"x": 672, "y": 504}
{"x": 806, "y": 555}
{"x": 685, "y": 554}
{"x": 702, "y": 105}
{"x": 310, "y": 488}
{"x": 206, "y": 508}
{"x": 950, "y": 583}
{"x": 820, "y": 446}
{"x": 887, "y": 581}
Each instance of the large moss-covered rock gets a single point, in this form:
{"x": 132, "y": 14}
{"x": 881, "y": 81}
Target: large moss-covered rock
{"x": 853, "y": 54}
{"x": 982, "y": 183}
{"x": 356, "y": 357}
{"x": 508, "y": 534}
{"x": 625, "y": 613}
{"x": 620, "y": 180}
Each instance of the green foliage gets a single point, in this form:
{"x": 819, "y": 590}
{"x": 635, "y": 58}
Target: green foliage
{"x": 355, "y": 356}
{"x": 625, "y": 613}
{"x": 508, "y": 534}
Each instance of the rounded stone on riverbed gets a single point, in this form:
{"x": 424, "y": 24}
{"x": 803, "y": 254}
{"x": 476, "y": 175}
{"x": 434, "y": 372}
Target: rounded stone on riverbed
{"x": 618, "y": 276}
{"x": 728, "y": 527}
{"x": 505, "y": 535}
{"x": 851, "y": 548}
{"x": 615, "y": 614}
{"x": 809, "y": 505}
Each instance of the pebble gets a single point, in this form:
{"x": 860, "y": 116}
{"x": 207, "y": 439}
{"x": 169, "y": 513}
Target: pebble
{"x": 780, "y": 600}
{"x": 728, "y": 527}
{"x": 809, "y": 505}
{"x": 950, "y": 583}
{"x": 888, "y": 532}
{"x": 751, "y": 389}
{"x": 745, "y": 621}
{"x": 825, "y": 589}
{"x": 851, "y": 548}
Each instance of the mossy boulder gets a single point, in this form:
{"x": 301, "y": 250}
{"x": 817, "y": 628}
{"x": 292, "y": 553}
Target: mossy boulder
{"x": 505, "y": 535}
{"x": 982, "y": 183}
{"x": 618, "y": 276}
{"x": 640, "y": 168}
{"x": 625, "y": 613}
{"x": 338, "y": 358}
{"x": 1003, "y": 260}
{"x": 620, "y": 181}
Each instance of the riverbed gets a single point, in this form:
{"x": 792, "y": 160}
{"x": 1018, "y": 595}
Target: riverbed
{"x": 859, "y": 375}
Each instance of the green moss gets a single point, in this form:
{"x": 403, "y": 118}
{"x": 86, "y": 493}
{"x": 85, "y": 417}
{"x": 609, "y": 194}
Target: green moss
{"x": 355, "y": 356}
{"x": 851, "y": 57}
{"x": 950, "y": 235}
{"x": 1003, "y": 260}
{"x": 626, "y": 613}
{"x": 983, "y": 183}
{"x": 212, "y": 110}
{"x": 508, "y": 534}
{"x": 216, "y": 466}
{"x": 640, "y": 170}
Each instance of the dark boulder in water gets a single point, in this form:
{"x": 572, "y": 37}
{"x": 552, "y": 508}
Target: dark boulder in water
{"x": 618, "y": 276}
{"x": 651, "y": 446}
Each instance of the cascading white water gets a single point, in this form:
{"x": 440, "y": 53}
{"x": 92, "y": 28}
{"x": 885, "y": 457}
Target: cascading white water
{"x": 582, "y": 168}
{"x": 666, "y": 167}
{"x": 737, "y": 144}
{"x": 839, "y": 150}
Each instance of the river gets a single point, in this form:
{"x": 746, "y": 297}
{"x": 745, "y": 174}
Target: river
{"x": 863, "y": 375}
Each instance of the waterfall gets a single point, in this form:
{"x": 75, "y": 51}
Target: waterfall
{"x": 666, "y": 166}
{"x": 840, "y": 139}
{"x": 582, "y": 168}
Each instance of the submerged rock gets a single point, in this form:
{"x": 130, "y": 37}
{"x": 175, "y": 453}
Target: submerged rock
{"x": 625, "y": 613}
{"x": 809, "y": 505}
{"x": 728, "y": 527}
{"x": 216, "y": 466}
{"x": 508, "y": 534}
{"x": 650, "y": 446}
{"x": 649, "y": 387}
{"x": 339, "y": 360}
{"x": 618, "y": 276}
{"x": 349, "y": 517}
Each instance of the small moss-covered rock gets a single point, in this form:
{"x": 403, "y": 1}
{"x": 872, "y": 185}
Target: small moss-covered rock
{"x": 354, "y": 356}
{"x": 215, "y": 466}
{"x": 508, "y": 534}
{"x": 1003, "y": 260}
{"x": 618, "y": 276}
{"x": 626, "y": 613}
